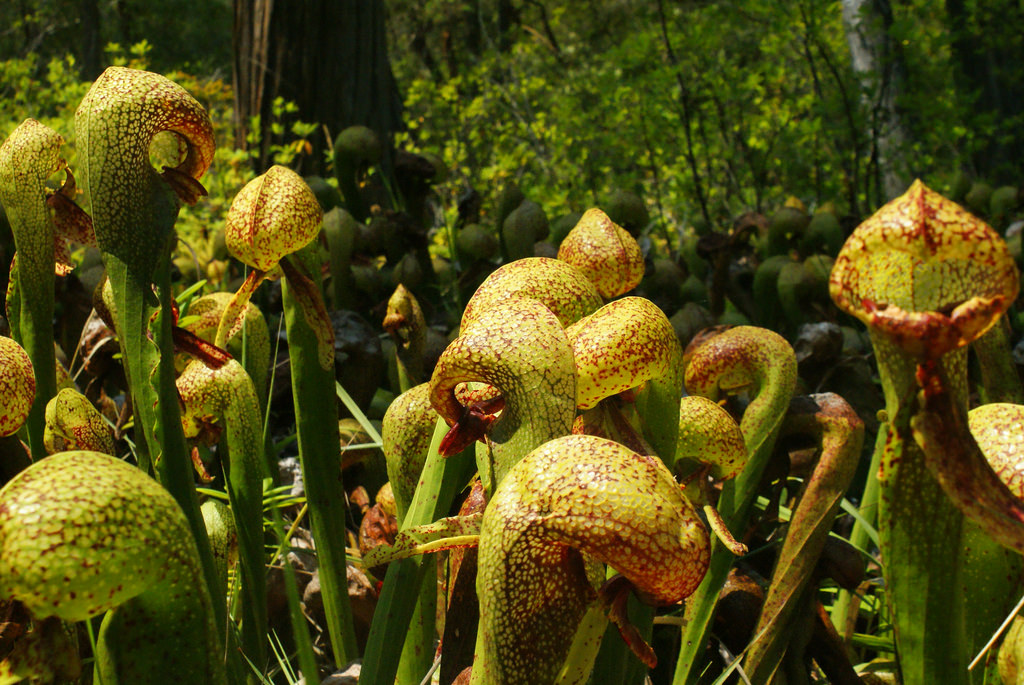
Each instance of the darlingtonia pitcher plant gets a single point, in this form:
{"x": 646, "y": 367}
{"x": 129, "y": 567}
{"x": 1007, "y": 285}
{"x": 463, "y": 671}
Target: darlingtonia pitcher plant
{"x": 567, "y": 493}
{"x": 927, "y": 278}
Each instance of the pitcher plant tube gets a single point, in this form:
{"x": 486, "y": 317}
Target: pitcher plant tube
{"x": 629, "y": 366}
{"x": 569, "y": 506}
{"x": 537, "y": 532}
{"x": 29, "y": 156}
{"x": 273, "y": 216}
{"x": 405, "y": 324}
{"x": 521, "y": 349}
{"x": 226, "y": 395}
{"x": 250, "y": 344}
{"x": 134, "y": 208}
{"x": 513, "y": 343}
{"x": 605, "y": 252}
{"x": 406, "y": 431}
{"x": 272, "y": 224}
{"x": 626, "y": 344}
{"x": 927, "y": 278}
{"x": 73, "y": 423}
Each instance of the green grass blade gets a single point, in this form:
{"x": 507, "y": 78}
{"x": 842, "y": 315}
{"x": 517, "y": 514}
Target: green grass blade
{"x": 300, "y": 627}
{"x": 358, "y": 414}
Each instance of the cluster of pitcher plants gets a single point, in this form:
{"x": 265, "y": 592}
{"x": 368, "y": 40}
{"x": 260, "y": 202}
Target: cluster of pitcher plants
{"x": 574, "y": 495}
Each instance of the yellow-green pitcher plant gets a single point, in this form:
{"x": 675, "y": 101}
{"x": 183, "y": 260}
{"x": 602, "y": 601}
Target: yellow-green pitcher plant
{"x": 83, "y": 534}
{"x": 572, "y": 502}
{"x": 927, "y": 278}
{"x": 274, "y": 216}
{"x": 134, "y": 208}
{"x": 17, "y": 392}
{"x": 224, "y": 394}
{"x": 17, "y": 386}
{"x": 73, "y": 423}
{"x": 760, "y": 364}
{"x": 575, "y": 499}
{"x": 270, "y": 226}
{"x": 250, "y": 344}
{"x": 28, "y": 157}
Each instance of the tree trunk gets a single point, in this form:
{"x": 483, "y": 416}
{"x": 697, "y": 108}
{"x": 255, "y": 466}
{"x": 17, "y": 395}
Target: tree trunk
{"x": 90, "y": 57}
{"x": 125, "y": 14}
{"x": 879, "y": 66}
{"x": 329, "y": 57}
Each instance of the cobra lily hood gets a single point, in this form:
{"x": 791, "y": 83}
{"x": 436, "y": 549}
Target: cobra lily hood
{"x": 926, "y": 273}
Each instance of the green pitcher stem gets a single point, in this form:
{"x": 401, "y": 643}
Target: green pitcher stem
{"x": 701, "y": 605}
{"x": 417, "y": 652}
{"x": 919, "y": 532}
{"x": 860, "y": 536}
{"x": 990, "y": 583}
{"x": 245, "y": 494}
{"x": 407, "y": 429}
{"x": 175, "y": 465}
{"x": 244, "y": 484}
{"x": 316, "y": 418}
{"x": 227, "y": 393}
{"x": 139, "y": 358}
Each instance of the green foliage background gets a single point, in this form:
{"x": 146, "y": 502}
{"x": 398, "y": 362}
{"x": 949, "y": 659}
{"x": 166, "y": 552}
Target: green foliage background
{"x": 741, "y": 104}
{"x": 591, "y": 96}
